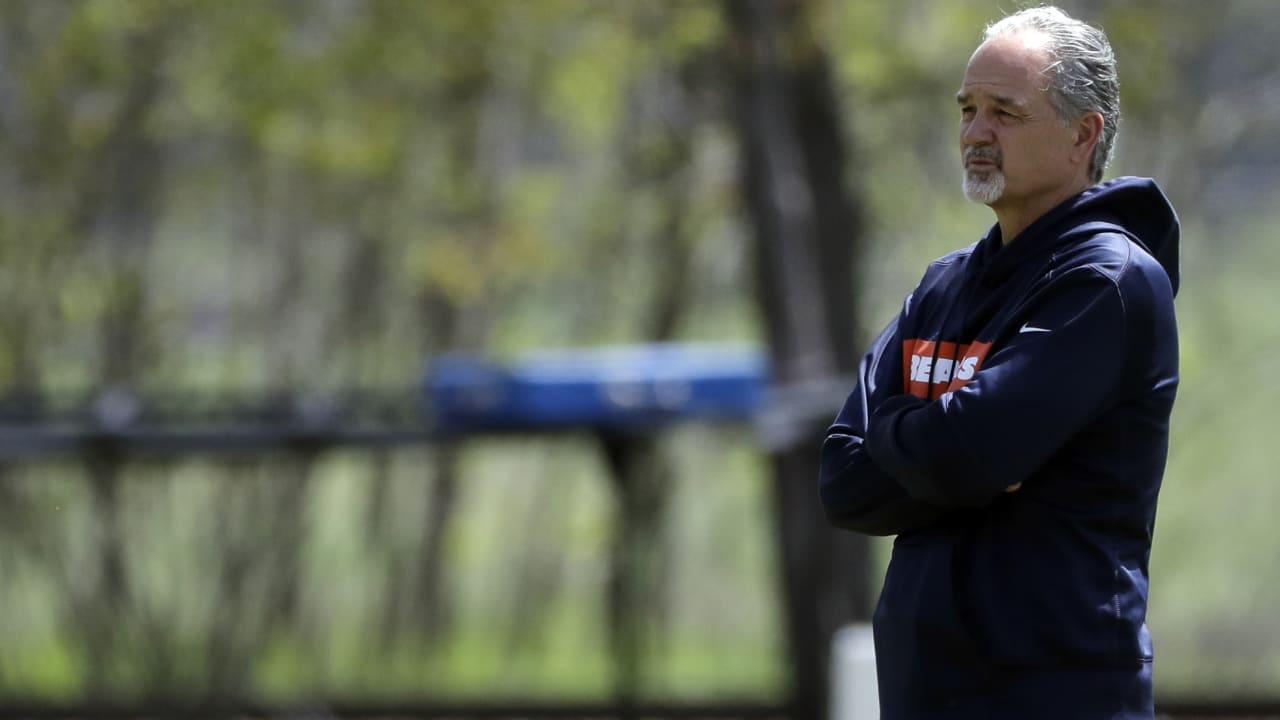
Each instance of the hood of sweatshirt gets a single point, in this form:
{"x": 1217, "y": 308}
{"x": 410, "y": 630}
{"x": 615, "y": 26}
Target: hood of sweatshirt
{"x": 1136, "y": 204}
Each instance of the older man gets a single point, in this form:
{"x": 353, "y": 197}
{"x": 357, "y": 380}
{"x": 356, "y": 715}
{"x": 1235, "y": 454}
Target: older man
{"x": 1011, "y": 425}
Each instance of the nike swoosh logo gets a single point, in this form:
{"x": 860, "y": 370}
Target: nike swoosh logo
{"x": 1031, "y": 328}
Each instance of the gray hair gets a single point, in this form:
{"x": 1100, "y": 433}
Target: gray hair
{"x": 1082, "y": 72}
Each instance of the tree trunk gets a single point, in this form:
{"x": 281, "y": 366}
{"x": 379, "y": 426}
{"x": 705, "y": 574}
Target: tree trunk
{"x": 806, "y": 230}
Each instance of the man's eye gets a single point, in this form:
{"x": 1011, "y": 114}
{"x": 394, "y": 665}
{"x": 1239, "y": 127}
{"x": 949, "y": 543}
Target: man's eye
{"x": 966, "y": 111}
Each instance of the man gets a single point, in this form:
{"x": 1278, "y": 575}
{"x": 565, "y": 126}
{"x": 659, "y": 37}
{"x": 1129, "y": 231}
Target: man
{"x": 1011, "y": 425}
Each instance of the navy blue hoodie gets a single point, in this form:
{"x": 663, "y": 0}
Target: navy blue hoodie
{"x": 1011, "y": 428}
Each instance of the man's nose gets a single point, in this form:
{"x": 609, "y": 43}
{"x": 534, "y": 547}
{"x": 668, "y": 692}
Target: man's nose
{"x": 976, "y": 131}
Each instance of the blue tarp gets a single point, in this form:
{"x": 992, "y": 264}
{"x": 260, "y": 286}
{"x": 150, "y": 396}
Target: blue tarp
{"x": 622, "y": 387}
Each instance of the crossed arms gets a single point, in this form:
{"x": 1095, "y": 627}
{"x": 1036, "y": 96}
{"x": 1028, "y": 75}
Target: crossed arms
{"x": 893, "y": 462}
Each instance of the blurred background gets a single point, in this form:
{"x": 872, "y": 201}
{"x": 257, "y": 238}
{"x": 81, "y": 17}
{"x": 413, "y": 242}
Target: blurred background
{"x": 236, "y": 235}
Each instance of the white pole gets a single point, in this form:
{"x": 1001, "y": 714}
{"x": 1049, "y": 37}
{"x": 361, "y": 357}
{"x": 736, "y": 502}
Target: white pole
{"x": 853, "y": 675}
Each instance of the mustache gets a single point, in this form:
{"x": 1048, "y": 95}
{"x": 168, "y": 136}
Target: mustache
{"x": 985, "y": 152}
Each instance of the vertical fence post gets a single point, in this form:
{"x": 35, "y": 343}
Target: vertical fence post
{"x": 854, "y": 695}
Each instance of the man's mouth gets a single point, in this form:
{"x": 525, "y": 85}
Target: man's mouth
{"x": 981, "y": 159}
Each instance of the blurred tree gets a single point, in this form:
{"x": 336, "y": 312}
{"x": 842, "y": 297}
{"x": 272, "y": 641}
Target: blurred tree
{"x": 82, "y": 151}
{"x": 807, "y": 232}
{"x": 665, "y": 108}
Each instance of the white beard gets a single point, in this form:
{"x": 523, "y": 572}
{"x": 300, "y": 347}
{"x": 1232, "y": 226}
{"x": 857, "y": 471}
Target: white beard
{"x": 984, "y": 187}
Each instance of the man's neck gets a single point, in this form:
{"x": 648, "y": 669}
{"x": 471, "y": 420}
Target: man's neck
{"x": 1015, "y": 217}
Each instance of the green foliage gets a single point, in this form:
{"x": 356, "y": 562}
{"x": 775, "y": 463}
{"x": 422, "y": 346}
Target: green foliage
{"x": 1212, "y": 590}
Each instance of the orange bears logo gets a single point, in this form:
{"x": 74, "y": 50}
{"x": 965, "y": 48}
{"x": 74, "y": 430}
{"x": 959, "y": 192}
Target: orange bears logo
{"x": 930, "y": 368}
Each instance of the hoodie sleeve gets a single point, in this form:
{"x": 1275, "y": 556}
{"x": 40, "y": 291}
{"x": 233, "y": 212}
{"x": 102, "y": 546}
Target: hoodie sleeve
{"x": 1035, "y": 392}
{"x": 857, "y": 494}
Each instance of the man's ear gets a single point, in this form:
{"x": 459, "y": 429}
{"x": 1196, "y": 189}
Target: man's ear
{"x": 1088, "y": 133}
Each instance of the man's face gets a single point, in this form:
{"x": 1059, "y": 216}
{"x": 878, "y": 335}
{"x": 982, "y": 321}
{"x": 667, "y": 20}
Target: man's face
{"x": 1014, "y": 145}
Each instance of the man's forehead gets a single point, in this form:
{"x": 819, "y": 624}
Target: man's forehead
{"x": 966, "y": 96}
{"x": 1008, "y": 66}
